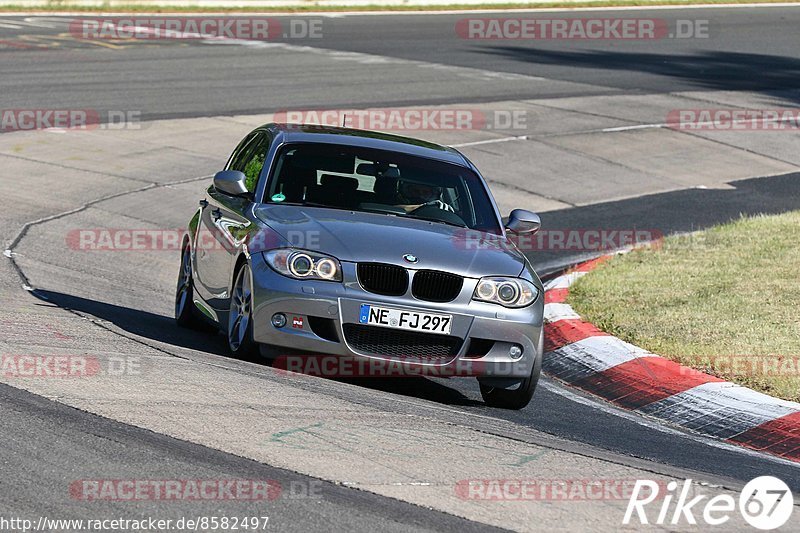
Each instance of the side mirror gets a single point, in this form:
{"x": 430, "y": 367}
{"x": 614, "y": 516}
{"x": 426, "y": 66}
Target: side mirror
{"x": 231, "y": 182}
{"x": 522, "y": 221}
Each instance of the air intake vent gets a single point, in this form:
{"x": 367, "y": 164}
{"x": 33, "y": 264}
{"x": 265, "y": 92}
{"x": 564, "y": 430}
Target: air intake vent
{"x": 380, "y": 278}
{"x": 404, "y": 345}
{"x": 324, "y": 328}
{"x": 435, "y": 286}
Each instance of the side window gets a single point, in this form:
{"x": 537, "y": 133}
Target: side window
{"x": 235, "y": 161}
{"x": 249, "y": 157}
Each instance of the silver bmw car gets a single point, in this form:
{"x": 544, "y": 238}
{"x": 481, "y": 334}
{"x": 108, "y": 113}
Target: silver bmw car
{"x": 366, "y": 246}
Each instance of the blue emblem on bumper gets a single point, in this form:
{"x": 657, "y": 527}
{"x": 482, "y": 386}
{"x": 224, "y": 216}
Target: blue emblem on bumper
{"x": 363, "y": 317}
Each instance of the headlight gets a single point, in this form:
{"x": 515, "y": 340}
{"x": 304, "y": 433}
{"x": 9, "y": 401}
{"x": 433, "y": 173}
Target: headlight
{"x": 302, "y": 264}
{"x": 508, "y": 292}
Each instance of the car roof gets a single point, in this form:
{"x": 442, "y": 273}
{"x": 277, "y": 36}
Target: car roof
{"x": 289, "y": 133}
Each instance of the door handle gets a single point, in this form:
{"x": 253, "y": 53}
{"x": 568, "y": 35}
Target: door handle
{"x": 204, "y": 203}
{"x": 217, "y": 214}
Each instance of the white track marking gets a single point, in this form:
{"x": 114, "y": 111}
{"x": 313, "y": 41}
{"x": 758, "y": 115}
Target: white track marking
{"x": 45, "y": 22}
{"x": 556, "y": 312}
{"x": 491, "y": 141}
{"x": 720, "y": 407}
{"x": 563, "y": 281}
{"x": 32, "y": 22}
{"x": 696, "y": 127}
{"x": 629, "y": 128}
{"x": 596, "y": 354}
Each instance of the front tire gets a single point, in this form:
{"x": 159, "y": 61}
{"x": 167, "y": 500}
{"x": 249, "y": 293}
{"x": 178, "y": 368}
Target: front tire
{"x": 240, "y": 316}
{"x": 517, "y": 398}
{"x": 184, "y": 294}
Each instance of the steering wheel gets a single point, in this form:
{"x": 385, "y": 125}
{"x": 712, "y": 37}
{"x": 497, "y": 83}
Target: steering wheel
{"x": 433, "y": 212}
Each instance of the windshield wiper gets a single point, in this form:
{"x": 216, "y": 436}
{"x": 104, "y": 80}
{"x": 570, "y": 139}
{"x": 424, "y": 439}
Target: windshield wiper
{"x": 378, "y": 211}
{"x": 439, "y": 220}
{"x": 312, "y": 204}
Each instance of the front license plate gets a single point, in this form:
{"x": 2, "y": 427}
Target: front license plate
{"x": 410, "y": 320}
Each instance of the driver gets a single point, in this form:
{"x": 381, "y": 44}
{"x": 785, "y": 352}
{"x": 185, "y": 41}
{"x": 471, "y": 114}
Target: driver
{"x": 415, "y": 194}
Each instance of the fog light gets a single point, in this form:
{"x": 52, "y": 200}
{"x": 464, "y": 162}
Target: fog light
{"x": 515, "y": 352}
{"x": 278, "y": 320}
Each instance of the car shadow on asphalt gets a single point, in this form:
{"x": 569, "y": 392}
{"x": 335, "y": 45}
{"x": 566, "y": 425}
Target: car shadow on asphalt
{"x": 711, "y": 69}
{"x": 417, "y": 387}
{"x": 163, "y": 329}
{"x": 139, "y": 323}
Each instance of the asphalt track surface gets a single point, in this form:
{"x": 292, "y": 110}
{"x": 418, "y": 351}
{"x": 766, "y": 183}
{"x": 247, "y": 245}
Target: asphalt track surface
{"x": 753, "y": 50}
{"x": 32, "y": 477}
{"x": 747, "y": 49}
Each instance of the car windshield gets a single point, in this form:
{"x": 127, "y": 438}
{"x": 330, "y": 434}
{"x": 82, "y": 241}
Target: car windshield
{"x": 391, "y": 183}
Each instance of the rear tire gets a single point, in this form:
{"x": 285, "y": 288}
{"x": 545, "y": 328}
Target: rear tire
{"x": 517, "y": 398}
{"x": 240, "y": 316}
{"x": 185, "y": 315}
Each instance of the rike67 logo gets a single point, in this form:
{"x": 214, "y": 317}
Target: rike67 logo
{"x": 765, "y": 503}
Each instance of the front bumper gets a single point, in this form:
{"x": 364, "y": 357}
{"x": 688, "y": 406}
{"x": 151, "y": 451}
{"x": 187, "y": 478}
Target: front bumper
{"x": 319, "y": 314}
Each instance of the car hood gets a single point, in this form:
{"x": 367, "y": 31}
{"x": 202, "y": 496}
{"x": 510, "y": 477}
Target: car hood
{"x": 358, "y": 236}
